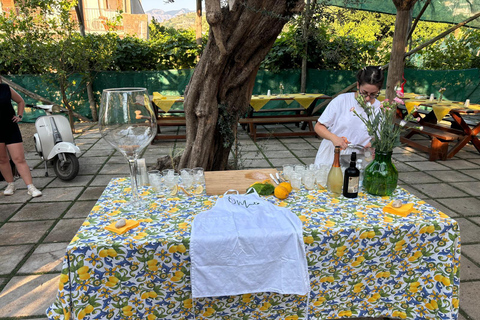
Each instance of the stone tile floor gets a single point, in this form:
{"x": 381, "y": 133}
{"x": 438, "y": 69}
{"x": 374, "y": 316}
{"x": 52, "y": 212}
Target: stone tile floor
{"x": 35, "y": 232}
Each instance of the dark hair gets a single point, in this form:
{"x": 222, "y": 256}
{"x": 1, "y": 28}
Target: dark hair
{"x": 371, "y": 75}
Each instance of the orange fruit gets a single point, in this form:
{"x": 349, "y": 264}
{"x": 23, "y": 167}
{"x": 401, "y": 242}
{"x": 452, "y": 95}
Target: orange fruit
{"x": 281, "y": 192}
{"x": 287, "y": 186}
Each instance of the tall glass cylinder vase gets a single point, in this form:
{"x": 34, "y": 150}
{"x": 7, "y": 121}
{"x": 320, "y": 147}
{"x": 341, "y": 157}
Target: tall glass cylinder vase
{"x": 381, "y": 176}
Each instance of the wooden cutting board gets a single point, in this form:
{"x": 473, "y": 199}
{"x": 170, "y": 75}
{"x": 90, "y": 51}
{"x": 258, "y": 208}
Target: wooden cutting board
{"x": 217, "y": 182}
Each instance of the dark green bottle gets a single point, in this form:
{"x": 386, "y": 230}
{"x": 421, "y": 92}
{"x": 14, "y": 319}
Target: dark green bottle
{"x": 351, "y": 178}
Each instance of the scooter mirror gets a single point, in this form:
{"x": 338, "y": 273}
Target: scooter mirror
{"x": 56, "y": 108}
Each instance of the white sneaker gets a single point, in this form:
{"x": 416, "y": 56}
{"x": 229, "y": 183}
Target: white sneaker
{"x": 34, "y": 192}
{"x": 10, "y": 189}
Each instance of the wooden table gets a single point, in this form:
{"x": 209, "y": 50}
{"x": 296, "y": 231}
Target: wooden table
{"x": 167, "y": 115}
{"x": 431, "y": 113}
{"x": 218, "y": 182}
{"x": 303, "y": 114}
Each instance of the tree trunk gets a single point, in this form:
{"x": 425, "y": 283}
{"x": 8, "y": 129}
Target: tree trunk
{"x": 91, "y": 100}
{"x": 198, "y": 23}
{"x": 81, "y": 20}
{"x": 66, "y": 103}
{"x": 221, "y": 86}
{"x": 305, "y": 36}
{"x": 81, "y": 26}
{"x": 397, "y": 56}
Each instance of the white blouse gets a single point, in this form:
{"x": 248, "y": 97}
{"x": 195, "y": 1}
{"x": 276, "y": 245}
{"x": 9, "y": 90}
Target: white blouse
{"x": 340, "y": 120}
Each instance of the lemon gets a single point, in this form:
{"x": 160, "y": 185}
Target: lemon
{"x": 198, "y": 189}
{"x": 281, "y": 192}
{"x": 287, "y": 186}
{"x": 174, "y": 190}
{"x": 183, "y": 189}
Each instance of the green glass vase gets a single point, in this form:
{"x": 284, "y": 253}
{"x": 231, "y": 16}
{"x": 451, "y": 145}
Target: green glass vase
{"x": 380, "y": 176}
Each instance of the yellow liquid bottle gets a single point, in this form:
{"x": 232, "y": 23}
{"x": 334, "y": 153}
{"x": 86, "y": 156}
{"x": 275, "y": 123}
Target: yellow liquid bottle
{"x": 335, "y": 176}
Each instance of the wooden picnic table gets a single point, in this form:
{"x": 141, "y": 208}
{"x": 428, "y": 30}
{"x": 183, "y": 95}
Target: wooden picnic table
{"x": 258, "y": 114}
{"x": 168, "y": 115}
{"x": 431, "y": 114}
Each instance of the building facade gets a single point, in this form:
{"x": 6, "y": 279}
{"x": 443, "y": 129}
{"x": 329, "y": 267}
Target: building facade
{"x": 126, "y": 17}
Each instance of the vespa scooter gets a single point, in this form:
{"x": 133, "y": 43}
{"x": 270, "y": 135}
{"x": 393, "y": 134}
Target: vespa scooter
{"x": 54, "y": 143}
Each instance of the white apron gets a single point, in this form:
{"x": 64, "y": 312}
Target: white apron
{"x": 245, "y": 244}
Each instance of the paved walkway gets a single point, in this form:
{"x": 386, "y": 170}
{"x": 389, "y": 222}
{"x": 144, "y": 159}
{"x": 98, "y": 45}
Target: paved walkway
{"x": 34, "y": 232}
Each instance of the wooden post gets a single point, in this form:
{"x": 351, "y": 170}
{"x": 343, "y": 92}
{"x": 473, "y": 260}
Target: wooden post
{"x": 397, "y": 55}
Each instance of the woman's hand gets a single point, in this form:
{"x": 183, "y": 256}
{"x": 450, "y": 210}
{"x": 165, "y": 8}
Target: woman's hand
{"x": 342, "y": 142}
{"x": 16, "y": 119}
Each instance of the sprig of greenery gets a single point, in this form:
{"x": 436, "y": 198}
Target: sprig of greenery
{"x": 381, "y": 126}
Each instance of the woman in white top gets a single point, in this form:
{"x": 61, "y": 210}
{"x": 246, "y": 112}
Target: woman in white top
{"x": 338, "y": 125}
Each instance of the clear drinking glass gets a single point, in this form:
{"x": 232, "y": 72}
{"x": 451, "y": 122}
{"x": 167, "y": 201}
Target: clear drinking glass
{"x": 198, "y": 176}
{"x": 155, "y": 178}
{"x": 128, "y": 122}
{"x": 287, "y": 171}
{"x": 296, "y": 180}
{"x": 187, "y": 181}
{"x": 322, "y": 175}
{"x": 151, "y": 174}
{"x": 171, "y": 180}
{"x": 309, "y": 181}
{"x": 300, "y": 169}
{"x": 168, "y": 172}
{"x": 186, "y": 172}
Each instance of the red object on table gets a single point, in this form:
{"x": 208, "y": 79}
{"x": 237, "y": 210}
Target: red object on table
{"x": 403, "y": 83}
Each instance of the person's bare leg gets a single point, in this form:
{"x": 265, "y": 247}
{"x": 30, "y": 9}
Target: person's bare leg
{"x": 5, "y": 167}
{"x": 17, "y": 153}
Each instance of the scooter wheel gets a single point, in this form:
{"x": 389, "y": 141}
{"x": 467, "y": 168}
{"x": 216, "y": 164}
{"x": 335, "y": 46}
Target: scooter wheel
{"x": 70, "y": 167}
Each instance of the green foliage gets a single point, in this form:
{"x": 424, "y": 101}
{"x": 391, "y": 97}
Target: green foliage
{"x": 167, "y": 48}
{"x": 133, "y": 54}
{"x": 326, "y": 49}
{"x": 338, "y": 39}
{"x": 459, "y": 51}
{"x": 177, "y": 48}
{"x": 263, "y": 189}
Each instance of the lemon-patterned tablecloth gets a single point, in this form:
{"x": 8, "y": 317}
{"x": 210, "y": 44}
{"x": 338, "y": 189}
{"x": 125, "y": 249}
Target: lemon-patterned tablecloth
{"x": 362, "y": 262}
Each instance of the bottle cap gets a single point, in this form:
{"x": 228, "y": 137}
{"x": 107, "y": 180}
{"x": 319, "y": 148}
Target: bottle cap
{"x": 353, "y": 156}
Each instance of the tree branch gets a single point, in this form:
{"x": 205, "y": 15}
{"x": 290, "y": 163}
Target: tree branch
{"x": 40, "y": 98}
{"x": 414, "y": 25}
{"x": 214, "y": 18}
{"x": 442, "y": 35}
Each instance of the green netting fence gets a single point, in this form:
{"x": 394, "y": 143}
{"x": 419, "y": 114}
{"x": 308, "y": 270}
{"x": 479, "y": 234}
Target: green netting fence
{"x": 460, "y": 85}
{"x": 437, "y": 11}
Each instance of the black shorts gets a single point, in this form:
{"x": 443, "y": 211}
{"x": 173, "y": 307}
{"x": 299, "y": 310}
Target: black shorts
{"x": 10, "y": 134}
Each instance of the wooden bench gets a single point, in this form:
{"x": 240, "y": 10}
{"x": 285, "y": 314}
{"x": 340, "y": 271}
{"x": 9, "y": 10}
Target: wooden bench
{"x": 440, "y": 137}
{"x": 170, "y": 121}
{"x": 174, "y": 118}
{"x": 297, "y": 119}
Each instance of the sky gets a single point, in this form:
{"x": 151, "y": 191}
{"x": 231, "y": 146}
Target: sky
{"x": 160, "y": 4}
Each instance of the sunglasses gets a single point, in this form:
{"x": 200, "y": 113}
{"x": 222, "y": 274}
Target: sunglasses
{"x": 366, "y": 94}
